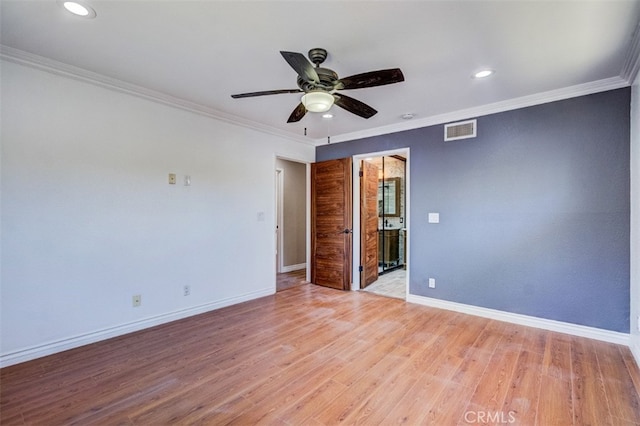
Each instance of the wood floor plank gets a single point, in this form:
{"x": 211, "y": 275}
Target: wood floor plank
{"x": 492, "y": 390}
{"x": 555, "y": 402}
{"x": 319, "y": 399}
{"x": 219, "y": 414}
{"x": 522, "y": 397}
{"x": 622, "y": 399}
{"x": 361, "y": 390}
{"x": 590, "y": 405}
{"x": 632, "y": 367}
{"x": 382, "y": 400}
{"x": 414, "y": 406}
{"x": 557, "y": 358}
{"x": 316, "y": 356}
{"x": 448, "y": 408}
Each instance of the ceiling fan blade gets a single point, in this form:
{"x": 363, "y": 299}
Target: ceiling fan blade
{"x": 302, "y": 66}
{"x": 371, "y": 79}
{"x": 266, "y": 92}
{"x": 297, "y": 113}
{"x": 354, "y": 106}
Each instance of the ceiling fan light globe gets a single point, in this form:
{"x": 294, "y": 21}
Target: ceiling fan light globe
{"x": 317, "y": 101}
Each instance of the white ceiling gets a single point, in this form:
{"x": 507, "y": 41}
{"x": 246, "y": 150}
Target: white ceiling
{"x": 198, "y": 53}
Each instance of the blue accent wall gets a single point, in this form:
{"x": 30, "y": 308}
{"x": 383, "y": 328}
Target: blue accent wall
{"x": 534, "y": 212}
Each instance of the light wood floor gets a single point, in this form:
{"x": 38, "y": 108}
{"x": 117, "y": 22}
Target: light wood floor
{"x": 287, "y": 280}
{"x": 313, "y": 356}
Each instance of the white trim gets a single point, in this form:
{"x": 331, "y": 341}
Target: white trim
{"x": 49, "y": 65}
{"x": 508, "y": 105}
{"x": 526, "y": 320}
{"x": 279, "y": 220}
{"x": 49, "y": 348}
{"x": 80, "y": 74}
{"x": 292, "y": 268}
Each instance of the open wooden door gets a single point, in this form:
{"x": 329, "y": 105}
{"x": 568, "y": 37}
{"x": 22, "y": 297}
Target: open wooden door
{"x": 331, "y": 223}
{"x": 368, "y": 223}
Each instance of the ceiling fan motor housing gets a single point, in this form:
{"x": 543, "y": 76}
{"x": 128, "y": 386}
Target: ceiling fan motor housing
{"x": 328, "y": 80}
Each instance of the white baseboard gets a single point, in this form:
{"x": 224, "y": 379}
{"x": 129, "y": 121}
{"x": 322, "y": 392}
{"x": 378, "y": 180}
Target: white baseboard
{"x": 38, "y": 351}
{"x": 292, "y": 268}
{"x": 545, "y": 324}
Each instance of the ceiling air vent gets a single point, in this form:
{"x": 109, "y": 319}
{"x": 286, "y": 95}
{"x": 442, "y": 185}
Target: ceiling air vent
{"x": 460, "y": 130}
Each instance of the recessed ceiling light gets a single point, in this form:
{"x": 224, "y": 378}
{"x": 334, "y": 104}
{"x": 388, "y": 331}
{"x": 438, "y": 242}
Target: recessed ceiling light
{"x": 327, "y": 115}
{"x": 483, "y": 73}
{"x": 408, "y": 116}
{"x": 78, "y": 8}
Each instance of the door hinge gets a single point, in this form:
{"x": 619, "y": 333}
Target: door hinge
{"x": 360, "y": 268}
{"x": 361, "y": 173}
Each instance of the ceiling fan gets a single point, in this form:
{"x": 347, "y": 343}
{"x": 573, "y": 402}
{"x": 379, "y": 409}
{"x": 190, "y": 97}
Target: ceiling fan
{"x": 319, "y": 85}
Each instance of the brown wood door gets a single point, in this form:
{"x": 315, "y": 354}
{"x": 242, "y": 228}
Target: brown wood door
{"x": 331, "y": 223}
{"x": 368, "y": 223}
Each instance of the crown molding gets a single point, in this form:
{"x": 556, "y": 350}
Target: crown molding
{"x": 502, "y": 106}
{"x": 630, "y": 70}
{"x": 80, "y": 74}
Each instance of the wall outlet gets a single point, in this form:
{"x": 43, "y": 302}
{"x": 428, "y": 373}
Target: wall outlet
{"x": 432, "y": 283}
{"x": 137, "y": 300}
{"x": 187, "y": 290}
{"x": 172, "y": 178}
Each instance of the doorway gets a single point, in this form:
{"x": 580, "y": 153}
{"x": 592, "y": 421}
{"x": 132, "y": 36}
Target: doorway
{"x": 390, "y": 229}
{"x": 291, "y": 223}
{"x": 391, "y": 212}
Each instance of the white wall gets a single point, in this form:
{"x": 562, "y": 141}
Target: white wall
{"x": 89, "y": 219}
{"x": 635, "y": 218}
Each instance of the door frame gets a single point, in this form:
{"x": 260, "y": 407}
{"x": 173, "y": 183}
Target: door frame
{"x": 279, "y": 215}
{"x": 355, "y": 278}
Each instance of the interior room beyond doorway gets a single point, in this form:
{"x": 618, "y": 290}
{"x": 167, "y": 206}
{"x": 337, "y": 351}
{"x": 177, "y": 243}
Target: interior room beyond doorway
{"x": 391, "y": 212}
{"x": 390, "y": 225}
{"x": 291, "y": 223}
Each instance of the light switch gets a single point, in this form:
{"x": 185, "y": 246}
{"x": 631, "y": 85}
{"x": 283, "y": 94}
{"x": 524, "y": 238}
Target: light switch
{"x": 434, "y": 217}
{"x": 432, "y": 283}
{"x": 172, "y": 178}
